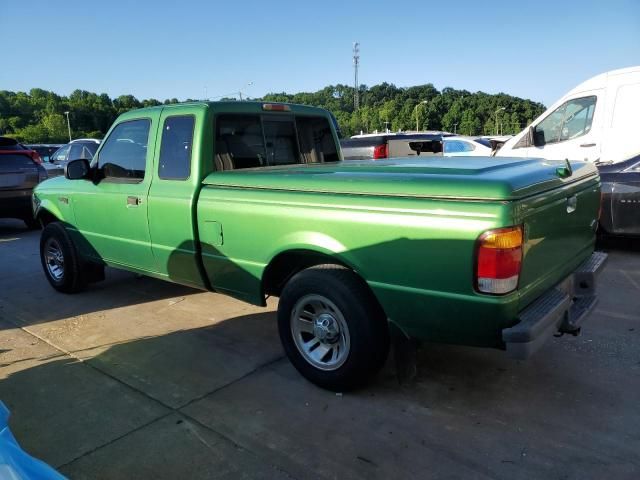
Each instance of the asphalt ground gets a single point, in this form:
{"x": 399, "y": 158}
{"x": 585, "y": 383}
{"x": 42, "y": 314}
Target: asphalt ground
{"x": 138, "y": 378}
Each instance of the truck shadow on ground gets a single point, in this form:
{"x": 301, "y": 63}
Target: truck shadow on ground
{"x": 470, "y": 411}
{"x": 28, "y": 299}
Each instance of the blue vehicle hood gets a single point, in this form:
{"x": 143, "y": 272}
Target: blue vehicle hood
{"x": 15, "y": 463}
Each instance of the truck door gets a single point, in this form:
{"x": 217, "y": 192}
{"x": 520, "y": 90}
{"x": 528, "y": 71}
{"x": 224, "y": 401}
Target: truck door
{"x": 111, "y": 213}
{"x": 625, "y": 202}
{"x": 573, "y": 130}
{"x": 173, "y": 195}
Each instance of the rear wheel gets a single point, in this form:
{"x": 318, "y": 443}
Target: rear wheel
{"x": 332, "y": 327}
{"x": 60, "y": 260}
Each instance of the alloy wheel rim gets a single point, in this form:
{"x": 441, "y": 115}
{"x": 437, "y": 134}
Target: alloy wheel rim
{"x": 320, "y": 332}
{"x": 54, "y": 259}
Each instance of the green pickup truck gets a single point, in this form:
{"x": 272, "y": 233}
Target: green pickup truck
{"x": 252, "y": 200}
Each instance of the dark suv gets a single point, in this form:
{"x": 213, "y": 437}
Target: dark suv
{"x": 20, "y": 171}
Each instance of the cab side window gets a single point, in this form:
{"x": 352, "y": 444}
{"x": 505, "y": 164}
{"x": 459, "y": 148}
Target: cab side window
{"x": 570, "y": 120}
{"x": 175, "y": 149}
{"x": 124, "y": 153}
{"x": 578, "y": 118}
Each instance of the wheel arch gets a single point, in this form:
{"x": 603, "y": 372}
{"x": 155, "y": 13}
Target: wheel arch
{"x": 45, "y": 216}
{"x": 287, "y": 263}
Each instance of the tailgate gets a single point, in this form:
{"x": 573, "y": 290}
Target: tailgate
{"x": 560, "y": 230}
{"x": 17, "y": 171}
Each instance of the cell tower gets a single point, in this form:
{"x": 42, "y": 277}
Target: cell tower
{"x": 356, "y": 63}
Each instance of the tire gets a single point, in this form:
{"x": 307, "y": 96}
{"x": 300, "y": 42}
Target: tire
{"x": 60, "y": 260}
{"x": 32, "y": 223}
{"x": 332, "y": 328}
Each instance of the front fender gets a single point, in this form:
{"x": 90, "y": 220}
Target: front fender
{"x": 60, "y": 209}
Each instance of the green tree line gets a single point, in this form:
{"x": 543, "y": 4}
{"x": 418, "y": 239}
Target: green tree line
{"x": 39, "y": 115}
{"x": 387, "y": 106}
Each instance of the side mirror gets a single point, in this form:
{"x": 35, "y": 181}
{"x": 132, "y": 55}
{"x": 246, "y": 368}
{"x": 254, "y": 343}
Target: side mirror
{"x": 536, "y": 138}
{"x": 77, "y": 169}
{"x": 530, "y": 134}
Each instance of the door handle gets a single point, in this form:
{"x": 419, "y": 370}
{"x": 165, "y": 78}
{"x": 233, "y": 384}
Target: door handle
{"x": 133, "y": 201}
{"x": 587, "y": 145}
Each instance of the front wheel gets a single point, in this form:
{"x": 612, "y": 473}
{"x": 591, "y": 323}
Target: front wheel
{"x": 60, "y": 260}
{"x": 332, "y": 327}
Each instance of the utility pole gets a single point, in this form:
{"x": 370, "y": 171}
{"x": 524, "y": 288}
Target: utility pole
{"x": 68, "y": 124}
{"x": 455, "y": 128}
{"x": 247, "y": 85}
{"x": 496, "y": 115}
{"x": 417, "y": 112}
{"x": 356, "y": 64}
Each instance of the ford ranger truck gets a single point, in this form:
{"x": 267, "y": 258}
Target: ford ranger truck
{"x": 252, "y": 200}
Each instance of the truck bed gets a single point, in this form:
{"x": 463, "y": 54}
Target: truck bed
{"x": 409, "y": 227}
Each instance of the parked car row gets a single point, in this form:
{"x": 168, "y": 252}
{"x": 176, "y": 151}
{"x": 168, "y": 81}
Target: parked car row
{"x": 20, "y": 171}
{"x": 74, "y": 150}
{"x": 22, "y": 167}
{"x": 45, "y": 150}
{"x": 388, "y": 145}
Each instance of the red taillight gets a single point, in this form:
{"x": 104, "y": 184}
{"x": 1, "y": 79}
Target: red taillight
{"x": 35, "y": 156}
{"x": 499, "y": 260}
{"x": 380, "y": 151}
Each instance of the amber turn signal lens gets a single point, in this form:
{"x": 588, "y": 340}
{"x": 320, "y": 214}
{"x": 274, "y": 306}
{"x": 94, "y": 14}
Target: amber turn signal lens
{"x": 502, "y": 238}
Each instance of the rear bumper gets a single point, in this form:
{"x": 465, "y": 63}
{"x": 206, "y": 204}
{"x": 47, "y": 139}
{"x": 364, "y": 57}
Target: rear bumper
{"x": 561, "y": 309}
{"x": 15, "y": 203}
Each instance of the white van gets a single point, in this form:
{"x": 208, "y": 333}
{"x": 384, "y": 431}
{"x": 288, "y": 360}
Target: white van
{"x": 599, "y": 120}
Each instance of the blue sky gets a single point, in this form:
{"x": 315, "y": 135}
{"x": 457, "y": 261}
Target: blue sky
{"x": 163, "y": 49}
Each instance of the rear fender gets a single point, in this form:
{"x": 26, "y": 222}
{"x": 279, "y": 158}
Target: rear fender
{"x": 320, "y": 243}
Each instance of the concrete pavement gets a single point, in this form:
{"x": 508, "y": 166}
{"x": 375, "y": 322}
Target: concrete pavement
{"x": 137, "y": 378}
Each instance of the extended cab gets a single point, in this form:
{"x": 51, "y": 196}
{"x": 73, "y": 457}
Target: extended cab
{"x": 253, "y": 200}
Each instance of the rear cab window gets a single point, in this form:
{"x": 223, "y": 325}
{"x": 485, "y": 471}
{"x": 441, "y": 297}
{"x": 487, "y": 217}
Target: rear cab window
{"x": 254, "y": 140}
{"x": 176, "y": 147}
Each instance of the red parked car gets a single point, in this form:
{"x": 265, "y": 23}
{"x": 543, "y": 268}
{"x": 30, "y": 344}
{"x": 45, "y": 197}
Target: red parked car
{"x": 20, "y": 171}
